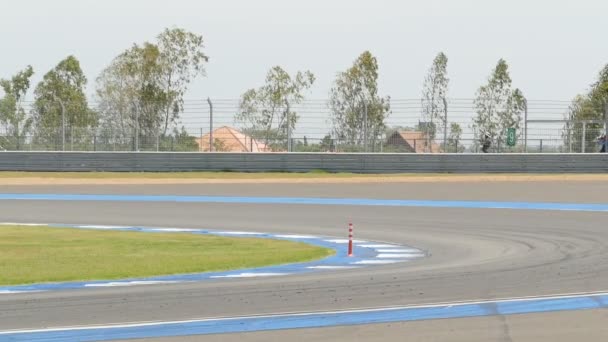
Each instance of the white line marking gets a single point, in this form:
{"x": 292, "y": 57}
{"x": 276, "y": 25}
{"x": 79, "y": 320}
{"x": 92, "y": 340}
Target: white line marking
{"x": 344, "y": 241}
{"x": 250, "y": 275}
{"x": 397, "y": 250}
{"x": 375, "y": 262}
{"x": 22, "y": 224}
{"x": 131, "y": 283}
{"x": 380, "y": 246}
{"x": 240, "y": 233}
{"x": 393, "y": 255}
{"x": 104, "y": 227}
{"x": 325, "y": 267}
{"x": 18, "y": 291}
{"x": 174, "y": 230}
{"x": 296, "y": 236}
{"x": 321, "y": 313}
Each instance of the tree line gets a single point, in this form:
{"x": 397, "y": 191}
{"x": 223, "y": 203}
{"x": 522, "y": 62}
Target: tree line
{"x": 140, "y": 95}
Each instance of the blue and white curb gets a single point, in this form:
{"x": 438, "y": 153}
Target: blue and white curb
{"x": 566, "y": 302}
{"x": 366, "y": 254}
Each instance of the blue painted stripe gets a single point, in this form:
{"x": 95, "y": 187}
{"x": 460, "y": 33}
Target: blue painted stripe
{"x": 312, "y": 201}
{"x": 313, "y": 320}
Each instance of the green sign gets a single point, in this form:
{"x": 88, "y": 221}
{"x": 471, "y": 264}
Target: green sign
{"x": 511, "y": 136}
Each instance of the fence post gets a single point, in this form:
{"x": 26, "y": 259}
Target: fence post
{"x": 445, "y": 125}
{"x": 584, "y": 137}
{"x": 525, "y": 125}
{"x": 605, "y": 126}
{"x": 569, "y": 138}
{"x": 210, "y": 125}
{"x": 288, "y": 128}
{"x": 94, "y": 142}
{"x": 541, "y": 145}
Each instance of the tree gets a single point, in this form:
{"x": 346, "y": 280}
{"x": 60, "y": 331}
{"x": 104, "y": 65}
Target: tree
{"x": 17, "y": 124}
{"x": 141, "y": 92}
{"x": 434, "y": 93}
{"x": 354, "y": 98}
{"x": 587, "y": 107}
{"x": 63, "y": 88}
{"x": 131, "y": 98}
{"x": 181, "y": 59}
{"x": 498, "y": 107}
{"x": 267, "y": 111}
{"x": 453, "y": 144}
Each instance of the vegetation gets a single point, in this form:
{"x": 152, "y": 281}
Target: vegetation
{"x": 358, "y": 112}
{"x": 588, "y": 107}
{"x": 17, "y": 123}
{"x": 434, "y": 97}
{"x": 43, "y": 254}
{"x": 497, "y": 106}
{"x": 266, "y": 112}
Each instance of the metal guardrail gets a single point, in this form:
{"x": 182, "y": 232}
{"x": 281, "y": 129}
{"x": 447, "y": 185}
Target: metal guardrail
{"x": 303, "y": 162}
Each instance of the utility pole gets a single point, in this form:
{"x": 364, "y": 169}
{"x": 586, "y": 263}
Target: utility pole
{"x": 445, "y": 125}
{"x": 210, "y": 125}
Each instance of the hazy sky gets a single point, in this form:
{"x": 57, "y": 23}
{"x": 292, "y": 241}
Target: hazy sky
{"x": 554, "y": 48}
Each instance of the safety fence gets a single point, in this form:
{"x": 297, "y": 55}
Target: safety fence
{"x": 542, "y": 128}
{"x": 305, "y": 162}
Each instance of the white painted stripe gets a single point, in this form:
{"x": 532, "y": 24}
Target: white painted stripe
{"x": 380, "y": 246}
{"x": 399, "y": 250}
{"x": 174, "y": 230}
{"x": 18, "y": 291}
{"x": 344, "y": 241}
{"x": 326, "y": 267}
{"x": 130, "y": 283}
{"x": 240, "y": 233}
{"x": 298, "y": 314}
{"x": 250, "y": 275}
{"x": 104, "y": 227}
{"x": 296, "y": 236}
{"x": 375, "y": 262}
{"x": 22, "y": 224}
{"x": 392, "y": 255}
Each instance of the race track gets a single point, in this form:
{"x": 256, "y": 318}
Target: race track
{"x": 475, "y": 254}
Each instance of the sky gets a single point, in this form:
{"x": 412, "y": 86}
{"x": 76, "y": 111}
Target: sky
{"x": 554, "y": 48}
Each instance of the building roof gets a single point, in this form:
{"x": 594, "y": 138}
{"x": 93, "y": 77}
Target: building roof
{"x": 417, "y": 141}
{"x": 231, "y": 140}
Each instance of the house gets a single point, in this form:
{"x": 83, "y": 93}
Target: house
{"x": 411, "y": 142}
{"x": 229, "y": 139}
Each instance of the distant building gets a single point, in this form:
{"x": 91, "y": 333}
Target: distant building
{"x": 411, "y": 142}
{"x": 229, "y": 139}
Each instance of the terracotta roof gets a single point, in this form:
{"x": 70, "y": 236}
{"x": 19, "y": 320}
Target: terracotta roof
{"x": 417, "y": 142}
{"x": 232, "y": 140}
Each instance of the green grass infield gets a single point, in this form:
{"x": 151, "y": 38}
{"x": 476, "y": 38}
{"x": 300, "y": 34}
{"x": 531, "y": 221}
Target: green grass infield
{"x": 47, "y": 254}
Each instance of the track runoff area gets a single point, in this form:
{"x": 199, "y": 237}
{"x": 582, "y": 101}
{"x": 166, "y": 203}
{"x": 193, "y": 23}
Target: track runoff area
{"x": 374, "y": 253}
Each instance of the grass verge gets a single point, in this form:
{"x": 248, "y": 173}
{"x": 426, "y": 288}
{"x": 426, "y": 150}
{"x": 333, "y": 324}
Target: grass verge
{"x": 45, "y": 254}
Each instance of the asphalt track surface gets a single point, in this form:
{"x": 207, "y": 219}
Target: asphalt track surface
{"x": 476, "y": 254}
